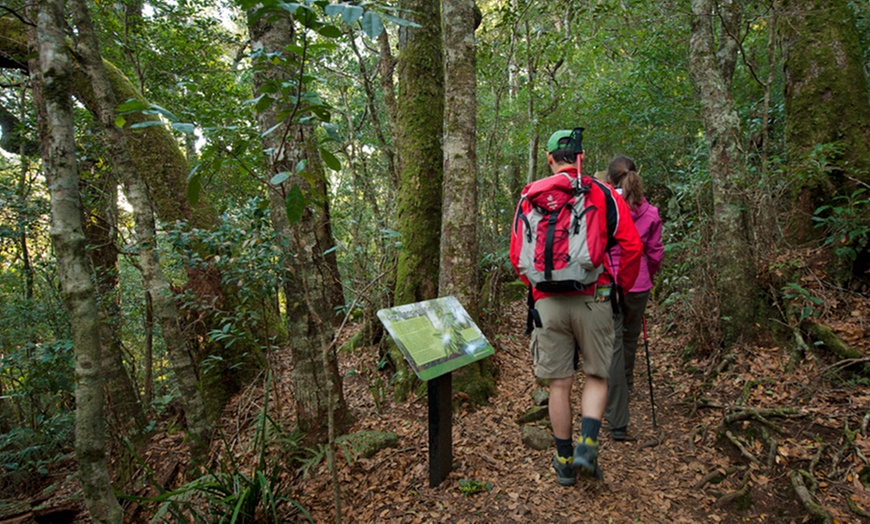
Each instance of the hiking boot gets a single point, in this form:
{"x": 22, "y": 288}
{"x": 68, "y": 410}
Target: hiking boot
{"x": 586, "y": 458}
{"x": 619, "y": 434}
{"x": 565, "y": 474}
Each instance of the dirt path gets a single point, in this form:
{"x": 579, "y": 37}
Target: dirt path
{"x": 791, "y": 419}
{"x": 660, "y": 483}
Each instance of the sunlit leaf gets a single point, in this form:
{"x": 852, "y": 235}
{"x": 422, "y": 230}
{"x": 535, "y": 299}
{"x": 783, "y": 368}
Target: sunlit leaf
{"x": 352, "y": 14}
{"x": 372, "y": 25}
{"x": 330, "y": 160}
{"x": 147, "y": 123}
{"x": 184, "y": 128}
{"x": 132, "y": 105}
{"x": 279, "y": 178}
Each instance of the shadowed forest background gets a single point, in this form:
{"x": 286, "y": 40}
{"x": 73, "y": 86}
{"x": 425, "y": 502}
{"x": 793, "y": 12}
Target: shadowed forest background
{"x": 205, "y": 203}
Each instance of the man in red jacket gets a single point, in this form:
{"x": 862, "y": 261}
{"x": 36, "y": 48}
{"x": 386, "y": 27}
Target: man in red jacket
{"x": 582, "y": 318}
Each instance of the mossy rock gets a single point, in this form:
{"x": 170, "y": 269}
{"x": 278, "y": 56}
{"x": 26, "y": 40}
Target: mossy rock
{"x": 364, "y": 444}
{"x": 536, "y": 437}
{"x": 541, "y": 397}
{"x": 533, "y": 415}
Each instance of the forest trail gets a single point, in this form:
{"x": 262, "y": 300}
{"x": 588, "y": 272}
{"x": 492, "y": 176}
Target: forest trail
{"x": 663, "y": 474}
{"x": 643, "y": 482}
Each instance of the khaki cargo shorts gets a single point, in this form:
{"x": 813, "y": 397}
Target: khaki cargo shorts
{"x": 569, "y": 321}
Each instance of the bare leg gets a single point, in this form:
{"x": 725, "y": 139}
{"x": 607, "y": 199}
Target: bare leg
{"x": 594, "y": 398}
{"x": 560, "y": 406}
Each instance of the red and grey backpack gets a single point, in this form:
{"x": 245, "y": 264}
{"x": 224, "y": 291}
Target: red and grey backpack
{"x": 550, "y": 244}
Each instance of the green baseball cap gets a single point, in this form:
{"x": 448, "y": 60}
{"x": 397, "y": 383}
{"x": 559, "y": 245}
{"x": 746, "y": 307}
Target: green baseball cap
{"x": 558, "y": 140}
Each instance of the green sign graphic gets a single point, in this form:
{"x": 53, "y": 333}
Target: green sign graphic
{"x": 435, "y": 336}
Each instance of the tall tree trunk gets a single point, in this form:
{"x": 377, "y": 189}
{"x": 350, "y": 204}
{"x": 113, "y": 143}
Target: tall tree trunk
{"x": 458, "y": 267}
{"x": 734, "y": 273}
{"x": 420, "y": 119}
{"x": 459, "y": 247}
{"x": 126, "y": 416}
{"x": 419, "y": 130}
{"x": 386, "y": 69}
{"x": 155, "y": 282}
{"x": 826, "y": 101}
{"x": 67, "y": 235}
{"x": 312, "y": 286}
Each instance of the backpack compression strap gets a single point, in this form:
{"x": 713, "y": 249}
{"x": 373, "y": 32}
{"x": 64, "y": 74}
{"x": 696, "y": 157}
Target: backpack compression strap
{"x": 534, "y": 319}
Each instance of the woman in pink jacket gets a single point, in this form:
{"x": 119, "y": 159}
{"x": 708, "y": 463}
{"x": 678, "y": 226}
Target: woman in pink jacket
{"x": 622, "y": 174}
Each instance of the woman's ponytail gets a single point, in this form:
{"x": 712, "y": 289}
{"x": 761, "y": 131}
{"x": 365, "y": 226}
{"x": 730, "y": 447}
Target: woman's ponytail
{"x": 622, "y": 173}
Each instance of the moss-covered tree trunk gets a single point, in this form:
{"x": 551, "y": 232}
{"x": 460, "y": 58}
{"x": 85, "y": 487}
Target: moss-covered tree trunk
{"x": 739, "y": 297}
{"x": 459, "y": 252}
{"x": 312, "y": 286}
{"x": 826, "y": 102}
{"x": 68, "y": 238}
{"x": 419, "y": 125}
{"x": 420, "y": 115}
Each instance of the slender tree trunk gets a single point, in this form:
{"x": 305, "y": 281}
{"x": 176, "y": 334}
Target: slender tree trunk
{"x": 531, "y": 63}
{"x": 459, "y": 245}
{"x": 126, "y": 417}
{"x": 148, "y": 364}
{"x": 155, "y": 282}
{"x": 458, "y": 267}
{"x": 738, "y": 294}
{"x": 386, "y": 146}
{"x": 311, "y": 277}
{"x": 67, "y": 235}
{"x": 386, "y": 69}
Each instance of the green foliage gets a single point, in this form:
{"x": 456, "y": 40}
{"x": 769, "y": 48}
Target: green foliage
{"x": 801, "y": 301}
{"x": 244, "y": 248}
{"x": 470, "y": 487}
{"x": 27, "y": 454}
{"x": 846, "y": 222}
{"x": 233, "y": 495}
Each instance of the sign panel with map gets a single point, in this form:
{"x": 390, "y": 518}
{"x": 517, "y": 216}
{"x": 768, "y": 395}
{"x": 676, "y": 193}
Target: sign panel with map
{"x": 435, "y": 336}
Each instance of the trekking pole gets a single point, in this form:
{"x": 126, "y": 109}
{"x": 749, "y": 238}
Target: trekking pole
{"x": 649, "y": 372}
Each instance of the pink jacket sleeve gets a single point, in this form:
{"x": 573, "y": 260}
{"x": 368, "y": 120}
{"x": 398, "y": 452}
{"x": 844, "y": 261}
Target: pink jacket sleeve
{"x": 653, "y": 248}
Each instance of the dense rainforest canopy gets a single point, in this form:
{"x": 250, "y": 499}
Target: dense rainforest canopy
{"x": 199, "y": 195}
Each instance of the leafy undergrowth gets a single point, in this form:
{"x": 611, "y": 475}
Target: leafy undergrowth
{"x": 751, "y": 434}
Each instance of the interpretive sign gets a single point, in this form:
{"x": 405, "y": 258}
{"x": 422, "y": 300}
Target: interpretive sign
{"x": 435, "y": 336}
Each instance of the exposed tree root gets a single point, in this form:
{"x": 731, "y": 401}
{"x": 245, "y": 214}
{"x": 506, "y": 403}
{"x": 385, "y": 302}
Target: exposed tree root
{"x": 806, "y": 496}
{"x": 762, "y": 414}
{"x": 830, "y": 340}
{"x": 716, "y": 476}
{"x": 743, "y": 451}
{"x": 699, "y": 430}
{"x": 729, "y": 497}
{"x": 651, "y": 443}
{"x": 856, "y": 509}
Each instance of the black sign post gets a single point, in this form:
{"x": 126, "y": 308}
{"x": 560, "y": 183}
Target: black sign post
{"x": 436, "y": 337}
{"x": 440, "y": 428}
